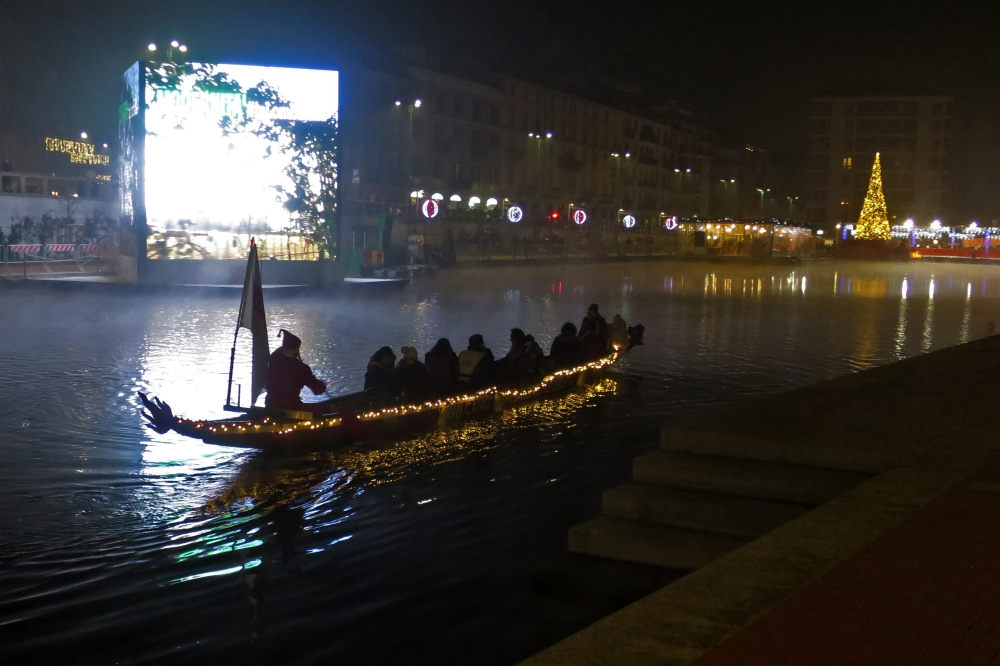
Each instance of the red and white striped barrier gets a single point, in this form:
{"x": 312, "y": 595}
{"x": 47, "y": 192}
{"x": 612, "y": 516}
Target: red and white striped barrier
{"x": 24, "y": 248}
{"x": 60, "y": 247}
{"x": 90, "y": 247}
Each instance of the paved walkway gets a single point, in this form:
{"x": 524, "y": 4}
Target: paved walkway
{"x": 926, "y": 592}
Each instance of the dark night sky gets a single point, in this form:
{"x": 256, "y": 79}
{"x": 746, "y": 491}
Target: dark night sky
{"x": 749, "y": 69}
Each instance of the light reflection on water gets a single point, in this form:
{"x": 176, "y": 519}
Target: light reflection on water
{"x": 431, "y": 532}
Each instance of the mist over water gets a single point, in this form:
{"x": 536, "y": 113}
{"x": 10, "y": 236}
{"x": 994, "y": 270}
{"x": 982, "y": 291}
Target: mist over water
{"x": 119, "y": 544}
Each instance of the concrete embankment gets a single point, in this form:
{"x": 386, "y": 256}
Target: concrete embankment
{"x": 760, "y": 500}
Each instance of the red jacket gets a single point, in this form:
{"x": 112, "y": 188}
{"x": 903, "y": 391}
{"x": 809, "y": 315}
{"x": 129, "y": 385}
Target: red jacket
{"x": 285, "y": 378}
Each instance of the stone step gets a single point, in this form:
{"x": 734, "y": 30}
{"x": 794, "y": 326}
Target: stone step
{"x": 747, "y": 478}
{"x": 700, "y": 510}
{"x": 632, "y": 541}
{"x": 820, "y": 452}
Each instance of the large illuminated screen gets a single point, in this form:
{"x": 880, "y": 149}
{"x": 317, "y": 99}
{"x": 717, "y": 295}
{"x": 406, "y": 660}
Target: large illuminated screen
{"x": 233, "y": 151}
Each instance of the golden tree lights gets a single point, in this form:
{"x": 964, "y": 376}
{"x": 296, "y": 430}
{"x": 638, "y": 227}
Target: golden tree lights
{"x": 874, "y": 221}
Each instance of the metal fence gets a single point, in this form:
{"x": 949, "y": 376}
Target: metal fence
{"x": 49, "y": 256}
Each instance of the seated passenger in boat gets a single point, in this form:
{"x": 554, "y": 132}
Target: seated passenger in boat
{"x": 567, "y": 350}
{"x": 534, "y": 357}
{"x": 593, "y": 334}
{"x": 618, "y": 336}
{"x": 475, "y": 364}
{"x": 287, "y": 374}
{"x": 380, "y": 382}
{"x": 512, "y": 365}
{"x": 442, "y": 364}
{"x": 413, "y": 381}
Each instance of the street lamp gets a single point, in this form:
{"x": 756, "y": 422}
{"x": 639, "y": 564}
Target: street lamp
{"x": 618, "y": 176}
{"x": 408, "y": 156}
{"x": 537, "y": 136}
{"x": 791, "y": 203}
{"x": 762, "y": 199}
{"x": 174, "y": 44}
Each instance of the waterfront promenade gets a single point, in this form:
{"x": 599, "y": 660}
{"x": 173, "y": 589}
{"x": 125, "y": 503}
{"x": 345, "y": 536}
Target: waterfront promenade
{"x": 902, "y": 568}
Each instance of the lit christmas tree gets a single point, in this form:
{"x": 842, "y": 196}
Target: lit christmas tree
{"x": 874, "y": 221}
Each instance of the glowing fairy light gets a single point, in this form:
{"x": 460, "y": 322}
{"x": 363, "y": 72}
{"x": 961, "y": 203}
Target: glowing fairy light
{"x": 490, "y": 399}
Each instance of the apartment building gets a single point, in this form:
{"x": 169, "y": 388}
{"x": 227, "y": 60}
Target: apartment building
{"x": 415, "y": 129}
{"x": 913, "y": 135}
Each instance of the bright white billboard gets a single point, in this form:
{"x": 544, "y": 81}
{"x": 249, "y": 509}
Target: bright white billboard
{"x": 223, "y": 152}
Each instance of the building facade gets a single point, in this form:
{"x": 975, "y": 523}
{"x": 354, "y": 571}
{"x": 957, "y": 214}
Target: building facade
{"x": 548, "y": 151}
{"x": 914, "y": 137}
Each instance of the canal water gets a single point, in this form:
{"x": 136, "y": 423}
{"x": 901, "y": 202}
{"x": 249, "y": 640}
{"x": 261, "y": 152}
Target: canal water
{"x": 118, "y": 545}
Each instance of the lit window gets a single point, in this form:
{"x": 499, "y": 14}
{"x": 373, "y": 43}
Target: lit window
{"x": 848, "y": 162}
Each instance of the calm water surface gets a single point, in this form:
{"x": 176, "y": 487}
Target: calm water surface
{"x": 120, "y": 545}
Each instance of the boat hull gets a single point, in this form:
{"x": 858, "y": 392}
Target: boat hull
{"x": 387, "y": 422}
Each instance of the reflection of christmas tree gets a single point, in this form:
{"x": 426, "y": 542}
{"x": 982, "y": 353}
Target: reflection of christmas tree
{"x": 874, "y": 221}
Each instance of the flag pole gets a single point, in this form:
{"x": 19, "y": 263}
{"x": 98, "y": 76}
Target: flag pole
{"x": 232, "y": 361}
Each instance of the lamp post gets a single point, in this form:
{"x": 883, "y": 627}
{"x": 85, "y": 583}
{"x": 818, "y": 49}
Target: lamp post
{"x": 538, "y": 137}
{"x": 408, "y": 157}
{"x": 618, "y": 179}
{"x": 174, "y": 45}
{"x": 762, "y": 200}
{"x": 791, "y": 203}
{"x": 725, "y": 194}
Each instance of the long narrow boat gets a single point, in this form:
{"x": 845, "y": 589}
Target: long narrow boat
{"x": 350, "y": 417}
{"x": 348, "y": 420}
